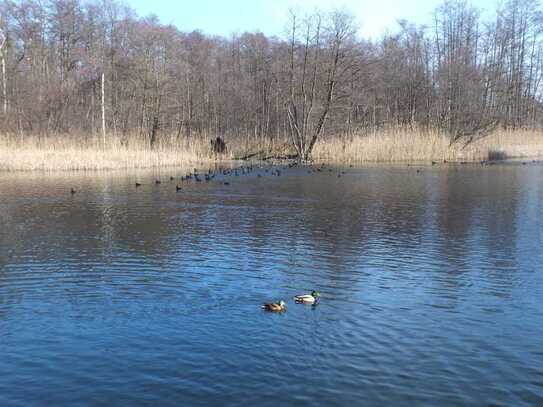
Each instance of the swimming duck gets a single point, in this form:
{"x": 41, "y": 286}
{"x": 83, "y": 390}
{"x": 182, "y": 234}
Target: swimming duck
{"x": 275, "y": 306}
{"x": 312, "y": 298}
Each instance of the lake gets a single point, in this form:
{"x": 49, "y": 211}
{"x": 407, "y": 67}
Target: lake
{"x": 431, "y": 287}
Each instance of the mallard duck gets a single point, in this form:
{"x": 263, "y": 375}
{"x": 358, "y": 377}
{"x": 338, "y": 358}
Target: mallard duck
{"x": 275, "y": 306}
{"x": 312, "y": 298}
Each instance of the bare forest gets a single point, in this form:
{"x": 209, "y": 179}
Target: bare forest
{"x": 82, "y": 70}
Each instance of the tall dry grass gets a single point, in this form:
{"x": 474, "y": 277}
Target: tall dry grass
{"x": 402, "y": 144}
{"x": 80, "y": 153}
{"x": 54, "y": 153}
{"x": 70, "y": 153}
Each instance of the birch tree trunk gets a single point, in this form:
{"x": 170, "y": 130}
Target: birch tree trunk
{"x": 103, "y": 110}
{"x": 4, "y": 79}
{"x": 4, "y": 85}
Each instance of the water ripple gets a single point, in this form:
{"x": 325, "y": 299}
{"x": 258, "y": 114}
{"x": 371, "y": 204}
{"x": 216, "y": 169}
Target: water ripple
{"x": 430, "y": 289}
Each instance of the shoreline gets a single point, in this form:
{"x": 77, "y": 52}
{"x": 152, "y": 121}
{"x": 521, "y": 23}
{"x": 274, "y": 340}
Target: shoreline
{"x": 188, "y": 166}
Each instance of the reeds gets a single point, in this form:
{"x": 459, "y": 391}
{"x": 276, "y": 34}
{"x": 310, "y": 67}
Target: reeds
{"x": 401, "y": 144}
{"x": 62, "y": 153}
{"x": 80, "y": 152}
{"x": 392, "y": 145}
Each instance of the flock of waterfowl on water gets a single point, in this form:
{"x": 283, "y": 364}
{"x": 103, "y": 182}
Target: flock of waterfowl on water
{"x": 262, "y": 170}
{"x": 222, "y": 174}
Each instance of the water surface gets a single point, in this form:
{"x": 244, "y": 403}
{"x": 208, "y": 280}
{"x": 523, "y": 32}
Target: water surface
{"x": 431, "y": 288}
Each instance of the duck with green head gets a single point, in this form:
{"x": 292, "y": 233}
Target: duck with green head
{"x": 312, "y": 298}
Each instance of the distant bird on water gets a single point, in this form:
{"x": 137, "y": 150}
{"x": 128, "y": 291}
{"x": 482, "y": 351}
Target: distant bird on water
{"x": 73, "y": 191}
{"x": 177, "y": 188}
{"x": 138, "y": 184}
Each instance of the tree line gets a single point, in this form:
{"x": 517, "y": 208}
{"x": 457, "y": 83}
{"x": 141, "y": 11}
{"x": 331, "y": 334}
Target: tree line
{"x": 94, "y": 68}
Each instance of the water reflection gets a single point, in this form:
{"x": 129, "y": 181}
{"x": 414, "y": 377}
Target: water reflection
{"x": 429, "y": 282}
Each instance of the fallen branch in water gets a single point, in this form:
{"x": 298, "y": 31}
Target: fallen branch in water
{"x": 261, "y": 155}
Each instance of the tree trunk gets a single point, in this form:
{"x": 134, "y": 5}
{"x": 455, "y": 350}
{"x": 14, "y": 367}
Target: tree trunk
{"x": 4, "y": 79}
{"x": 4, "y": 85}
{"x": 103, "y": 111}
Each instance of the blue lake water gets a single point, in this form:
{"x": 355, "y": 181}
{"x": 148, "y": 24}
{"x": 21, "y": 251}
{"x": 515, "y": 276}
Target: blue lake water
{"x": 431, "y": 283}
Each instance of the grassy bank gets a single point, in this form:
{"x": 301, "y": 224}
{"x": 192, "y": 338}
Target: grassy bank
{"x": 394, "y": 145}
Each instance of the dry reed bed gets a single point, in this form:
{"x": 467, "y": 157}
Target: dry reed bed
{"x": 406, "y": 145}
{"x": 393, "y": 145}
{"x": 80, "y": 153}
{"x": 58, "y": 153}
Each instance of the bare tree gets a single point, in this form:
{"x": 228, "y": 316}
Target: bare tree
{"x": 317, "y": 63}
{"x": 80, "y": 68}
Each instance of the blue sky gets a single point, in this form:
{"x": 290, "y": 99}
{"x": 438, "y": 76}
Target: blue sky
{"x": 269, "y": 16}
